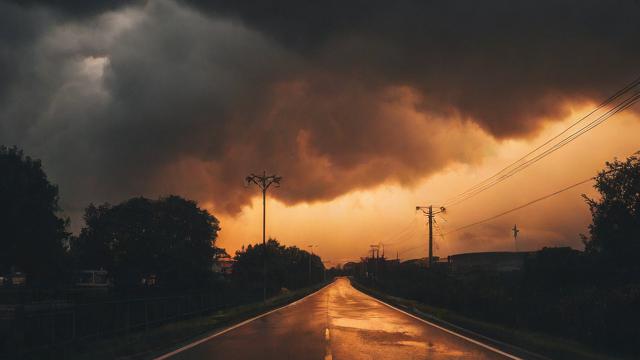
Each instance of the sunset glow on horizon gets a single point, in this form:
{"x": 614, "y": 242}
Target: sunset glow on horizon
{"x": 344, "y": 227}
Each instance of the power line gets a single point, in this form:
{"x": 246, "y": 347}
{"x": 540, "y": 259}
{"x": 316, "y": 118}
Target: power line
{"x": 518, "y": 165}
{"x": 603, "y": 104}
{"x": 410, "y": 249}
{"x": 606, "y": 102}
{"x": 522, "y": 163}
{"x": 520, "y": 206}
{"x": 439, "y": 231}
{"x": 400, "y": 234}
{"x": 620, "y": 107}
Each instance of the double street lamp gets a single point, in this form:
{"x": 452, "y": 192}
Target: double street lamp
{"x": 264, "y": 181}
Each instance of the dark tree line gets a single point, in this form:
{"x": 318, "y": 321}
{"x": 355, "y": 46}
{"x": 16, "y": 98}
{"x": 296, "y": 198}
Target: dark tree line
{"x": 592, "y": 296}
{"x": 169, "y": 240}
{"x": 287, "y": 267}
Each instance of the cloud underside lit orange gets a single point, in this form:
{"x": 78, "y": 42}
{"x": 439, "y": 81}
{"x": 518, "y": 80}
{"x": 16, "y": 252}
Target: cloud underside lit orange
{"x": 345, "y": 226}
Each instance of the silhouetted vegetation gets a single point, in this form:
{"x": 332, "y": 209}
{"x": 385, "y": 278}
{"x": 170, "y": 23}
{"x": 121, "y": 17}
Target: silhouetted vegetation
{"x": 32, "y": 234}
{"x": 614, "y": 233}
{"x": 591, "y": 296}
{"x": 287, "y": 267}
{"x": 170, "y": 239}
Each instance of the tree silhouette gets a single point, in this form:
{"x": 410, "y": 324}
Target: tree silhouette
{"x": 32, "y": 236}
{"x": 287, "y": 266}
{"x": 615, "y": 229}
{"x": 170, "y": 238}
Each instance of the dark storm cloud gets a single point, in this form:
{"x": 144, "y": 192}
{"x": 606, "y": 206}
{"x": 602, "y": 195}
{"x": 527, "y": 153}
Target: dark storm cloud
{"x": 144, "y": 98}
{"x": 504, "y": 64}
{"x": 75, "y": 8}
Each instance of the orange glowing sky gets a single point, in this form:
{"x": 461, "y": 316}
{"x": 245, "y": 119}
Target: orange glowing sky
{"x": 344, "y": 228}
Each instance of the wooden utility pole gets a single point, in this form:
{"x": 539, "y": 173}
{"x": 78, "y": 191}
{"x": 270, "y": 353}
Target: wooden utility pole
{"x": 429, "y": 213}
{"x": 515, "y": 236}
{"x": 263, "y": 181}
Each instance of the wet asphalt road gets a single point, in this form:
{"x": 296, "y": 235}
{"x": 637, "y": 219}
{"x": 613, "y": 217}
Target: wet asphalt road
{"x": 337, "y": 322}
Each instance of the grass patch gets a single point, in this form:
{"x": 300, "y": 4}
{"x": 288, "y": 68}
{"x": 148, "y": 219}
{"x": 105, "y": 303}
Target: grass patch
{"x": 539, "y": 343}
{"x": 164, "y": 338}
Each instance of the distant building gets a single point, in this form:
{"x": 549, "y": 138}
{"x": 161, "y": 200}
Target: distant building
{"x": 92, "y": 279}
{"x": 373, "y": 267}
{"x": 18, "y": 279}
{"x": 423, "y": 262}
{"x": 149, "y": 280}
{"x": 489, "y": 261}
{"x": 223, "y": 265}
{"x": 14, "y": 278}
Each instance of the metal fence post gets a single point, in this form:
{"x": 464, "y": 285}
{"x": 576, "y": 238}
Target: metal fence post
{"x": 146, "y": 316}
{"x": 126, "y": 325}
{"x": 73, "y": 323}
{"x": 53, "y": 328}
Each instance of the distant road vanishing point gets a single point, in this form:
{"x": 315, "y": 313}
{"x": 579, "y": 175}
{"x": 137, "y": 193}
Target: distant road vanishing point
{"x": 336, "y": 322}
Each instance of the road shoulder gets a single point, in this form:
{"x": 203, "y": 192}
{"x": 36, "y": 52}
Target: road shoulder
{"x": 169, "y": 337}
{"x": 267, "y": 310}
{"x": 511, "y": 341}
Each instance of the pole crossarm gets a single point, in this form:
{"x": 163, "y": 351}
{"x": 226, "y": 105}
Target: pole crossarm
{"x": 263, "y": 181}
{"x": 425, "y": 210}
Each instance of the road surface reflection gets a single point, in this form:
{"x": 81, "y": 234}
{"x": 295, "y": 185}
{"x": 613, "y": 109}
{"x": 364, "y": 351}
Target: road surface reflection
{"x": 337, "y": 322}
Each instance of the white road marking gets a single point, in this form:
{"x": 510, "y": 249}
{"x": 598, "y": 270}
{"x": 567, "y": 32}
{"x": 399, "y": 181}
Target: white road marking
{"x": 196, "y": 343}
{"x": 328, "y": 355}
{"x": 489, "y": 347}
{"x": 327, "y": 346}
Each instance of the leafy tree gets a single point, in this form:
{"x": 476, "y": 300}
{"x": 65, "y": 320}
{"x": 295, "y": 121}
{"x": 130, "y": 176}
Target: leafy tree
{"x": 171, "y": 238}
{"x": 32, "y": 235}
{"x": 615, "y": 229}
{"x": 287, "y": 267}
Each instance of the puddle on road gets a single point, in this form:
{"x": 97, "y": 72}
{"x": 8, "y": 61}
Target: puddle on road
{"x": 365, "y": 327}
{"x": 436, "y": 348}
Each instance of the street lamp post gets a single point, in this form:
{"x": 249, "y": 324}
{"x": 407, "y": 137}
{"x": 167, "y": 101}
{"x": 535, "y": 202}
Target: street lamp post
{"x": 263, "y": 181}
{"x": 310, "y": 256}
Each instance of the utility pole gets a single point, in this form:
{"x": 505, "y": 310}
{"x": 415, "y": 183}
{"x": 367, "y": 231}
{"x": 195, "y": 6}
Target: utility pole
{"x": 310, "y": 256}
{"x": 324, "y": 270}
{"x": 375, "y": 251}
{"x": 428, "y": 211}
{"x": 375, "y": 254}
{"x": 515, "y": 236}
{"x": 263, "y": 181}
